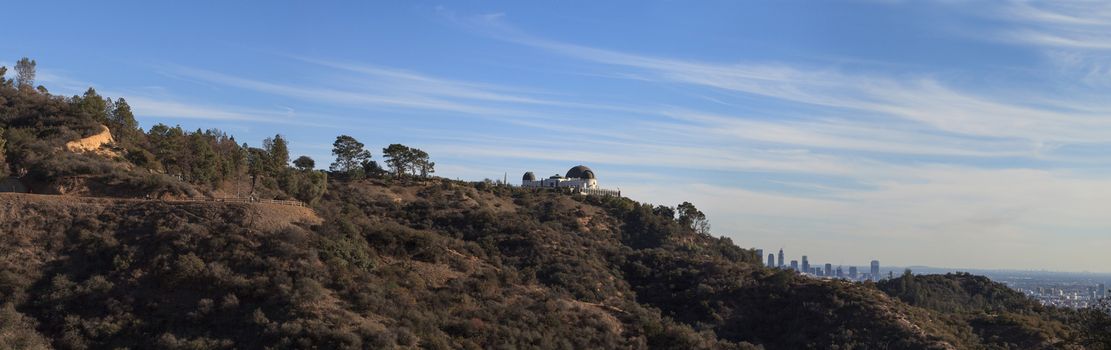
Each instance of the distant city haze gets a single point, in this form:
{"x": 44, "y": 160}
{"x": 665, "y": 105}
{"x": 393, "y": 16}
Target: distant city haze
{"x": 944, "y": 134}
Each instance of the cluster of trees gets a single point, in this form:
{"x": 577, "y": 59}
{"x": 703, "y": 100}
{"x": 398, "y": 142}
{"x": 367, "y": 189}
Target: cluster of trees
{"x": 214, "y": 159}
{"x": 200, "y": 157}
{"x": 166, "y": 159}
{"x": 25, "y": 76}
{"x": 403, "y": 159}
{"x": 995, "y": 316}
{"x": 354, "y": 161}
{"x": 956, "y": 293}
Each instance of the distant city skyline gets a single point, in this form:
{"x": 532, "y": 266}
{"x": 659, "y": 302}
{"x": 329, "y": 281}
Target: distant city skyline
{"x": 966, "y": 134}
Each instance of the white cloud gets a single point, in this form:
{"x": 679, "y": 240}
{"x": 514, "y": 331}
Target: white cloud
{"x": 1066, "y": 24}
{"x": 916, "y": 98}
{"x": 168, "y": 108}
{"x": 1075, "y": 36}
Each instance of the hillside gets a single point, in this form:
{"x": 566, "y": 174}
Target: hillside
{"x": 118, "y": 249}
{"x": 989, "y": 313}
{"x": 422, "y": 264}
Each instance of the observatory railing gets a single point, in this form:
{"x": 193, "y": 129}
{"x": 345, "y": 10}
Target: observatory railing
{"x": 598, "y": 192}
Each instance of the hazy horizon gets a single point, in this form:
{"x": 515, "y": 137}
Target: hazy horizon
{"x": 933, "y": 134}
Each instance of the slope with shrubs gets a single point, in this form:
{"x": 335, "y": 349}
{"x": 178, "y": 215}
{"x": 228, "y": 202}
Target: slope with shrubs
{"x": 993, "y": 316}
{"x": 433, "y": 264}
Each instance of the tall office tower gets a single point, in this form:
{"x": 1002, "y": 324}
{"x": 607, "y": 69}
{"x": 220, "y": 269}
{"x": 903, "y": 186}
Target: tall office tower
{"x": 759, "y": 254}
{"x": 805, "y": 265}
{"x": 1102, "y": 291}
{"x": 771, "y": 260}
{"x": 840, "y": 273}
{"x": 795, "y": 265}
{"x": 781, "y": 258}
{"x": 852, "y": 272}
{"x": 875, "y": 270}
{"x": 829, "y": 270}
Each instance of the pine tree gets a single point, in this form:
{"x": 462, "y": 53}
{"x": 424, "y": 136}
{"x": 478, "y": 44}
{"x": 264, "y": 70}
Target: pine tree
{"x": 168, "y": 145}
{"x": 257, "y": 163}
{"x": 398, "y": 157}
{"x": 278, "y": 149}
{"x": 420, "y": 163}
{"x": 122, "y": 122}
{"x": 350, "y": 156}
{"x": 25, "y": 73}
{"x": 93, "y": 106}
{"x": 203, "y": 167}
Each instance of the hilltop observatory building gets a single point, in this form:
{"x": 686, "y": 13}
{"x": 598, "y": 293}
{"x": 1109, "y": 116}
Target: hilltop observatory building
{"x": 580, "y": 179}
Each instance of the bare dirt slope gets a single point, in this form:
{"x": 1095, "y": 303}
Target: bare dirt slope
{"x": 94, "y": 143}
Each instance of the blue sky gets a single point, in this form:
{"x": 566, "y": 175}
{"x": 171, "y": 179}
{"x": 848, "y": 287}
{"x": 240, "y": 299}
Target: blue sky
{"x": 949, "y": 134}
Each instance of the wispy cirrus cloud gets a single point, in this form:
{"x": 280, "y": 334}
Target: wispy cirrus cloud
{"x": 163, "y": 107}
{"x": 1064, "y": 24}
{"x": 393, "y": 89}
{"x": 919, "y": 99}
{"x": 1074, "y": 35}
{"x": 842, "y": 134}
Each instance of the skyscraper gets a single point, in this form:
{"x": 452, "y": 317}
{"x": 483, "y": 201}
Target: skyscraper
{"x": 781, "y": 258}
{"x": 805, "y": 265}
{"x": 795, "y": 265}
{"x": 840, "y": 273}
{"x": 771, "y": 260}
{"x": 829, "y": 270}
{"x": 1102, "y": 291}
{"x": 852, "y": 272}
{"x": 875, "y": 272}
